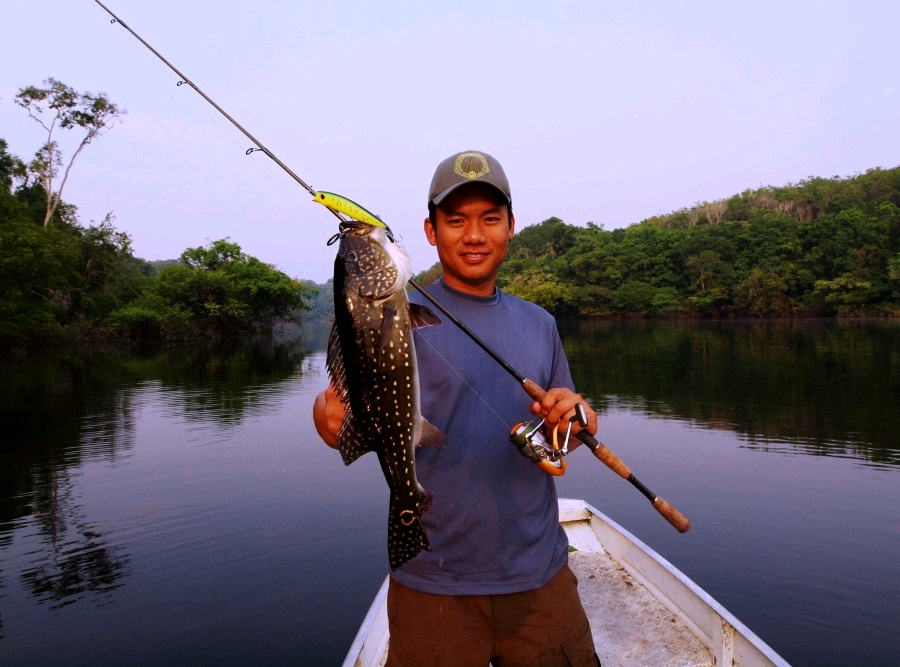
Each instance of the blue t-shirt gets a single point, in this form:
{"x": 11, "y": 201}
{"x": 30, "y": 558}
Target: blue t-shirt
{"x": 494, "y": 523}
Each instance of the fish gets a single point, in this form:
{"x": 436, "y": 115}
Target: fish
{"x": 371, "y": 360}
{"x": 348, "y": 207}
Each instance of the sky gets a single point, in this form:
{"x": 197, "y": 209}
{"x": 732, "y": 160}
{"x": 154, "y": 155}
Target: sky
{"x": 610, "y": 112}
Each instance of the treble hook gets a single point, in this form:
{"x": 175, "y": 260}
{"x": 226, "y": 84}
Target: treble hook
{"x": 337, "y": 237}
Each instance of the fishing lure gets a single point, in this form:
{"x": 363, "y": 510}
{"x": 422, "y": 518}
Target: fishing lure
{"x": 348, "y": 207}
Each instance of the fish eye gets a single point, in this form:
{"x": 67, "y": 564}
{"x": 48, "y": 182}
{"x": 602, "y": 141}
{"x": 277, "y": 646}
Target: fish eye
{"x": 322, "y": 197}
{"x": 351, "y": 256}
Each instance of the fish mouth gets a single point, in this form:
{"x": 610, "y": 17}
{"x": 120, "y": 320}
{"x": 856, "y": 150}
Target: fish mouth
{"x": 355, "y": 228}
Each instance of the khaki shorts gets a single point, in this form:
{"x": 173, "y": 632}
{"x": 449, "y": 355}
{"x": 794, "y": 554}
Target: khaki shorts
{"x": 546, "y": 627}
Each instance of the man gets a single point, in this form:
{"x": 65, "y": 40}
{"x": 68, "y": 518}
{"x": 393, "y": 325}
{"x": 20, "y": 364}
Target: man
{"x": 495, "y": 586}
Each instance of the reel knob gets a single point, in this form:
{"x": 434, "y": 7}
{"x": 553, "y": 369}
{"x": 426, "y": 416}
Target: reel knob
{"x": 580, "y": 415}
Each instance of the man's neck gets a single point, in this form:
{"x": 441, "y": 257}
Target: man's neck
{"x": 486, "y": 289}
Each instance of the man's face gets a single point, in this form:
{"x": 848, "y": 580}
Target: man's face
{"x": 472, "y": 229}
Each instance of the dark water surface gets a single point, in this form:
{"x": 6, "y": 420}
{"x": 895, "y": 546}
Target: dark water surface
{"x": 176, "y": 507}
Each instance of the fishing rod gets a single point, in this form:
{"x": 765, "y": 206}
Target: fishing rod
{"x": 186, "y": 81}
{"x": 681, "y": 523}
{"x": 601, "y": 451}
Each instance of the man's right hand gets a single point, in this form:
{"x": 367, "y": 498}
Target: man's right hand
{"x": 328, "y": 415}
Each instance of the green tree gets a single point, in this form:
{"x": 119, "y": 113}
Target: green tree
{"x": 543, "y": 288}
{"x": 425, "y": 278}
{"x": 321, "y": 300}
{"x": 847, "y": 292}
{"x": 708, "y": 268}
{"x": 219, "y": 289}
{"x": 111, "y": 276}
{"x": 38, "y": 269}
{"x": 11, "y": 168}
{"x": 56, "y": 105}
{"x": 550, "y": 239}
{"x": 634, "y": 296}
{"x": 213, "y": 256}
{"x": 763, "y": 293}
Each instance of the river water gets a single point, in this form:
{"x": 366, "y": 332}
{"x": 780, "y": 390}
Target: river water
{"x": 176, "y": 506}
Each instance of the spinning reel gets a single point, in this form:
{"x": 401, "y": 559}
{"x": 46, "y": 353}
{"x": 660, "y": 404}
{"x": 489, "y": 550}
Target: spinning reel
{"x": 532, "y": 444}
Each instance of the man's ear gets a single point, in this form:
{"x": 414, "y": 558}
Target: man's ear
{"x": 512, "y": 225}
{"x": 430, "y": 232}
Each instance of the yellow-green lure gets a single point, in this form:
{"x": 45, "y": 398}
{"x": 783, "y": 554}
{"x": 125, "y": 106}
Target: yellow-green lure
{"x": 348, "y": 207}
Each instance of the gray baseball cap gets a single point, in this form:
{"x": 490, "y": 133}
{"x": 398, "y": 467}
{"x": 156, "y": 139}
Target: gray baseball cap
{"x": 463, "y": 168}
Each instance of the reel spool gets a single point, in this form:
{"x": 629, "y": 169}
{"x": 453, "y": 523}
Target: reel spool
{"x": 531, "y": 443}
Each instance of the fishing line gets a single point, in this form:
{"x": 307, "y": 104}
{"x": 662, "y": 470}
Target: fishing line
{"x": 179, "y": 81}
{"x": 185, "y": 80}
{"x": 601, "y": 451}
{"x": 471, "y": 388}
{"x": 259, "y": 147}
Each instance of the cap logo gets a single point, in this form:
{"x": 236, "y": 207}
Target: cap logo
{"x": 471, "y": 165}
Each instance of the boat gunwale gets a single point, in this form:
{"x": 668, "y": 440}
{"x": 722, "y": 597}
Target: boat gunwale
{"x": 724, "y": 643}
{"x": 730, "y": 641}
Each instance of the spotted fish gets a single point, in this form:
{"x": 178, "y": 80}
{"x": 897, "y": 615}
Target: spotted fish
{"x": 372, "y": 363}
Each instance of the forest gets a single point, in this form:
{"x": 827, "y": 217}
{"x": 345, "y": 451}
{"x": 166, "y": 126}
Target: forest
{"x": 61, "y": 281}
{"x": 820, "y": 247}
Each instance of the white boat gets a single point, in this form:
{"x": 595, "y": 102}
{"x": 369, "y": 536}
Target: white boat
{"x": 643, "y": 611}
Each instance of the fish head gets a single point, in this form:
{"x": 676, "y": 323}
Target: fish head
{"x": 379, "y": 267}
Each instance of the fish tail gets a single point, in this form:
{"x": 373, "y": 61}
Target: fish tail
{"x": 406, "y": 534}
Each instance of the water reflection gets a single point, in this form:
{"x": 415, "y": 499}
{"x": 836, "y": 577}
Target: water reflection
{"x": 70, "y": 559}
{"x": 63, "y": 412}
{"x": 824, "y": 388}
{"x": 177, "y": 507}
{"x": 222, "y": 386}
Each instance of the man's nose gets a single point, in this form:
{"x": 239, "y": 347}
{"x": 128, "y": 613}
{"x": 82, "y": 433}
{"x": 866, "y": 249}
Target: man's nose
{"x": 474, "y": 232}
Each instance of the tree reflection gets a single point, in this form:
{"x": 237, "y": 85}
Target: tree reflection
{"x": 223, "y": 385}
{"x": 74, "y": 559}
{"x": 62, "y": 412}
{"x": 825, "y": 388}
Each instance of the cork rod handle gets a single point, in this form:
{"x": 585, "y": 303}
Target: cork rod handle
{"x": 614, "y": 463}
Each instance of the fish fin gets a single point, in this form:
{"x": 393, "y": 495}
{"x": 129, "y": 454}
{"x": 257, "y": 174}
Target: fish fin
{"x": 350, "y": 441}
{"x": 422, "y": 316}
{"x": 430, "y": 435}
{"x": 406, "y": 537}
{"x": 334, "y": 361}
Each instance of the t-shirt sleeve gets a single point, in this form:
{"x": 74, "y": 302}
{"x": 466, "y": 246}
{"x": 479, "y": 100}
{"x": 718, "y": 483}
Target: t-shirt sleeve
{"x": 561, "y": 376}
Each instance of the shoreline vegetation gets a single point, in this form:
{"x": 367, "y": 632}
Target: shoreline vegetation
{"x": 823, "y": 247}
{"x": 61, "y": 282}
